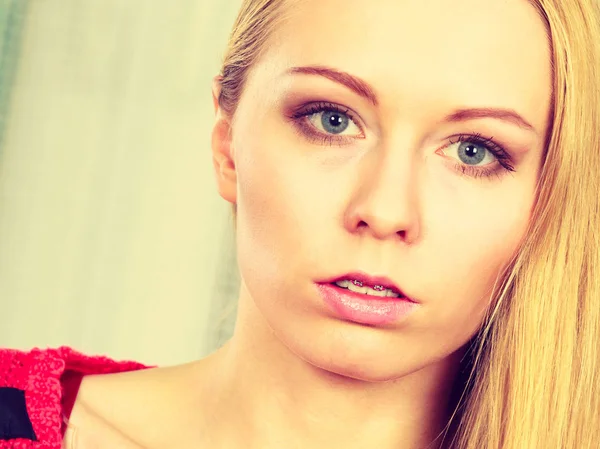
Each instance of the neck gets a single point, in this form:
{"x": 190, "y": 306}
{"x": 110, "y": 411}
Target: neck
{"x": 264, "y": 396}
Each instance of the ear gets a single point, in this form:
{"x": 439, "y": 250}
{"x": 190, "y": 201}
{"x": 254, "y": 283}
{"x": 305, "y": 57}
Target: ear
{"x": 223, "y": 161}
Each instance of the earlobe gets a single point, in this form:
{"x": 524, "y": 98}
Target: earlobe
{"x": 223, "y": 161}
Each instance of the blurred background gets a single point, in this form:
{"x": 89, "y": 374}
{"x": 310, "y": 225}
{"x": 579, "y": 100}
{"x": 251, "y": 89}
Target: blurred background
{"x": 113, "y": 239}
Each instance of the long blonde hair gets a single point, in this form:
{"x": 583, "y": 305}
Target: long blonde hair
{"x": 533, "y": 375}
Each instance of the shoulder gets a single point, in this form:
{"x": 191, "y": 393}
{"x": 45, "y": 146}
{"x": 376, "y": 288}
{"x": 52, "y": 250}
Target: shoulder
{"x": 148, "y": 409}
{"x": 33, "y": 392}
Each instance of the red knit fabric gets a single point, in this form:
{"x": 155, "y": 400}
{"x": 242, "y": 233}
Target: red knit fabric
{"x": 46, "y": 377}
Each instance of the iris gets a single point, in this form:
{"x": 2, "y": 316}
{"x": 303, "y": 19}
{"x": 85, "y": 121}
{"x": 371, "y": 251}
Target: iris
{"x": 334, "y": 122}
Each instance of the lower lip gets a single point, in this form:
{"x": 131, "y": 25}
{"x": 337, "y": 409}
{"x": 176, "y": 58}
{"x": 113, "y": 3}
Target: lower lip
{"x": 364, "y": 309}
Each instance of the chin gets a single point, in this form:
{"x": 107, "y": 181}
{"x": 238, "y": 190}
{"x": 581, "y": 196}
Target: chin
{"x": 342, "y": 367}
{"x": 359, "y": 372}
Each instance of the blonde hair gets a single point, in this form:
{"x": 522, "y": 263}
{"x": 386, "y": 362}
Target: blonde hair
{"x": 534, "y": 370}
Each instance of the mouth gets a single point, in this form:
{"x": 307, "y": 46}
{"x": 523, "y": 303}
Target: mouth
{"x": 365, "y": 299}
{"x": 376, "y": 286}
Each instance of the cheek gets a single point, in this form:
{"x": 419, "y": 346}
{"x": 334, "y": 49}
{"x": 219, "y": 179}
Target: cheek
{"x": 284, "y": 190}
{"x": 474, "y": 228}
{"x": 269, "y": 201}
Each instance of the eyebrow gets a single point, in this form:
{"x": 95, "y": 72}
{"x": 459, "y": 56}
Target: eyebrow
{"x": 363, "y": 89}
{"x": 507, "y": 115}
{"x": 352, "y": 82}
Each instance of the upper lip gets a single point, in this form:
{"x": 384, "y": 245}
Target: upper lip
{"x": 369, "y": 280}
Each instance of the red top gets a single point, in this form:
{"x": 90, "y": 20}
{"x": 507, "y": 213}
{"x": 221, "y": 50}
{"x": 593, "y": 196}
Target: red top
{"x": 38, "y": 390}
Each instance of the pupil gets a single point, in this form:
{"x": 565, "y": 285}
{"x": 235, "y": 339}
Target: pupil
{"x": 335, "y": 120}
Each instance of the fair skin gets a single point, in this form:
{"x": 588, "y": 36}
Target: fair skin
{"x": 386, "y": 195}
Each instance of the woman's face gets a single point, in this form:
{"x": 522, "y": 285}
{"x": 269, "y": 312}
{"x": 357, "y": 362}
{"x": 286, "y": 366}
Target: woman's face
{"x": 394, "y": 138}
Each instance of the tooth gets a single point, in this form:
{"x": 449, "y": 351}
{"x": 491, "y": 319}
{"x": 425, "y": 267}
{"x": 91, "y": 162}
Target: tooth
{"x": 381, "y": 294}
{"x": 356, "y": 289}
{"x": 385, "y": 293}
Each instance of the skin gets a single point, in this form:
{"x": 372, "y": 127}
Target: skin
{"x": 387, "y": 198}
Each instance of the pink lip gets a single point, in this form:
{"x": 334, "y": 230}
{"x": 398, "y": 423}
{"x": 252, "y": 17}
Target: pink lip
{"x": 362, "y": 308}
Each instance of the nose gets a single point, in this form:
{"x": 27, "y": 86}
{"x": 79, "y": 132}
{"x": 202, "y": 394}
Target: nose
{"x": 385, "y": 201}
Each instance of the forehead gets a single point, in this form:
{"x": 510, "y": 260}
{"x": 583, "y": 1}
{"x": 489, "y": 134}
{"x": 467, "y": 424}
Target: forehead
{"x": 486, "y": 52}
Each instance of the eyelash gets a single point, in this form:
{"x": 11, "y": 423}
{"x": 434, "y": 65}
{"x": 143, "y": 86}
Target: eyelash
{"x": 308, "y": 130}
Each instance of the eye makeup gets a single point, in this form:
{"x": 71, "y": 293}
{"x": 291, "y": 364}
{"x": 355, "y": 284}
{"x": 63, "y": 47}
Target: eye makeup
{"x": 316, "y": 122}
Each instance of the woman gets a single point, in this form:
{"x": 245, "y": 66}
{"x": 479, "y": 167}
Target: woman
{"x": 418, "y": 233}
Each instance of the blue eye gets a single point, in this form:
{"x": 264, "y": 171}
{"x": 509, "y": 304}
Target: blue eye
{"x": 327, "y": 123}
{"x": 478, "y": 156}
{"x": 471, "y": 153}
{"x": 334, "y": 122}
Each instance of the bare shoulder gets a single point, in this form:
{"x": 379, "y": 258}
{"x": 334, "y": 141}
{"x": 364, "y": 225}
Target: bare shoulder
{"x": 133, "y": 409}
